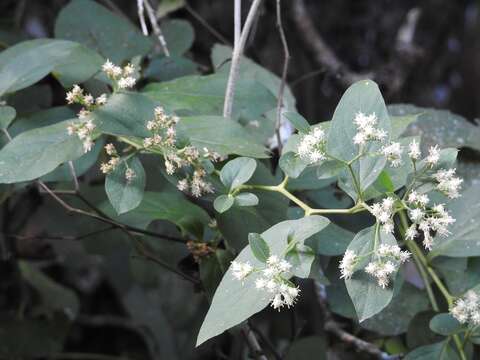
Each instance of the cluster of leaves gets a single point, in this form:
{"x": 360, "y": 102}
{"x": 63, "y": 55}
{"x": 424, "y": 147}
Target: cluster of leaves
{"x": 253, "y": 199}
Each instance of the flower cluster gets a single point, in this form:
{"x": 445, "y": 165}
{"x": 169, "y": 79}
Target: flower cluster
{"x": 384, "y": 262}
{"x": 467, "y": 309}
{"x": 366, "y": 130}
{"x": 122, "y": 77}
{"x": 384, "y": 212}
{"x": 114, "y": 161}
{"x": 108, "y": 167}
{"x": 427, "y": 220}
{"x": 199, "y": 249}
{"x": 387, "y": 260}
{"x": 273, "y": 279}
{"x": 347, "y": 264}
{"x": 188, "y": 158}
{"x": 414, "y": 150}
{"x": 393, "y": 153}
{"x": 85, "y": 127}
{"x": 312, "y": 146}
{"x": 448, "y": 183}
{"x": 163, "y": 129}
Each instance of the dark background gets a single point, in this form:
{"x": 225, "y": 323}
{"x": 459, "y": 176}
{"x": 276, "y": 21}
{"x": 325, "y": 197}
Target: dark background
{"x": 438, "y": 65}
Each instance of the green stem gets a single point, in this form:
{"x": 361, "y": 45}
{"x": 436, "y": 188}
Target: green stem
{"x": 355, "y": 181}
{"x": 417, "y": 258}
{"x": 281, "y": 188}
{"x": 422, "y": 265}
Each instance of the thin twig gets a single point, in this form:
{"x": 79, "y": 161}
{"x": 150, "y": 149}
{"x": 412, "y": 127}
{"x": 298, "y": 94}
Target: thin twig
{"x": 207, "y": 26}
{"x": 281, "y": 90}
{"x": 252, "y": 342}
{"x": 156, "y": 28}
{"x": 141, "y": 17}
{"x": 333, "y": 327}
{"x": 236, "y": 56}
{"x": 74, "y": 175}
{"x": 237, "y": 21}
{"x": 323, "y": 54}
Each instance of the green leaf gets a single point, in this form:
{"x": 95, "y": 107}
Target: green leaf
{"x": 20, "y": 65}
{"x": 204, "y": 95}
{"x": 223, "y": 203}
{"x": 237, "y": 172}
{"x": 212, "y": 268}
{"x": 91, "y": 24}
{"x": 37, "y": 152}
{"x": 445, "y": 324}
{"x": 169, "y": 68}
{"x": 292, "y": 164}
{"x": 440, "y": 127}
{"x": 179, "y": 35}
{"x": 298, "y": 121}
{"x": 168, "y": 205}
{"x": 259, "y": 247}
{"x": 401, "y": 123}
{"x": 167, "y": 6}
{"x": 235, "y": 301}
{"x": 221, "y": 56}
{"x": 394, "y": 319}
{"x": 126, "y": 114}
{"x": 125, "y": 195}
{"x": 385, "y": 182}
{"x": 465, "y": 232}
{"x": 362, "y": 96}
{"x": 222, "y": 135}
{"x": 367, "y": 296}
{"x": 333, "y": 240}
{"x": 7, "y": 114}
{"x": 246, "y": 199}
{"x": 438, "y": 351}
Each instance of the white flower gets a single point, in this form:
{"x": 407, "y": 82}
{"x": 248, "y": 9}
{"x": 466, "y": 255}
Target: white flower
{"x": 87, "y": 144}
{"x": 416, "y": 215}
{"x": 433, "y": 155}
{"x": 448, "y": 183}
{"x": 383, "y": 212}
{"x": 110, "y": 149}
{"x": 101, "y": 100}
{"x": 260, "y": 283}
{"x": 311, "y": 147}
{"x": 111, "y": 69}
{"x": 241, "y": 270}
{"x": 366, "y": 130}
{"x": 126, "y": 82}
{"x": 411, "y": 232}
{"x": 182, "y": 185}
{"x": 414, "y": 150}
{"x": 467, "y": 309}
{"x": 130, "y": 175}
{"x": 393, "y": 153}
{"x": 347, "y": 265}
{"x": 129, "y": 69}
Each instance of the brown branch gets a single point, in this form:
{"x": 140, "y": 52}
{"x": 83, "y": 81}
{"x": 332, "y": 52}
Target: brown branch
{"x": 323, "y": 54}
{"x": 333, "y": 327}
{"x": 281, "y": 90}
